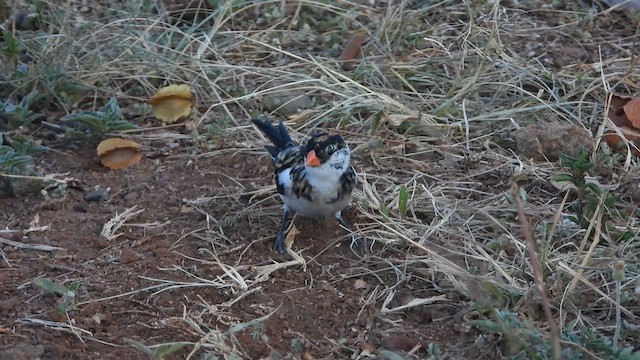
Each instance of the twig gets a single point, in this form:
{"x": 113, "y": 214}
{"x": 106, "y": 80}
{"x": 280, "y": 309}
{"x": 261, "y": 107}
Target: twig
{"x": 537, "y": 272}
{"x": 114, "y": 224}
{"x": 29, "y": 246}
{"x": 618, "y": 276}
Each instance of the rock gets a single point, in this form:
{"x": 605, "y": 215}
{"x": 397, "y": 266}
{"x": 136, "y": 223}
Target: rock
{"x": 97, "y": 194}
{"x": 549, "y": 140}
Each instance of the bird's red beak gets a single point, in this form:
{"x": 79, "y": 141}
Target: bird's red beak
{"x": 312, "y": 159}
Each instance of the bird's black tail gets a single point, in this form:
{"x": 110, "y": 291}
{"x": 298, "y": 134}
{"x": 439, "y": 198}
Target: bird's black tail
{"x": 279, "y": 136}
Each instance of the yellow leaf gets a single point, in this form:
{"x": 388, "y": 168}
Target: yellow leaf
{"x": 116, "y": 153}
{"x": 171, "y": 103}
{"x": 291, "y": 236}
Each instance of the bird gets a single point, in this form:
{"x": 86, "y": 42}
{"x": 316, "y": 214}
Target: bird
{"x": 315, "y": 179}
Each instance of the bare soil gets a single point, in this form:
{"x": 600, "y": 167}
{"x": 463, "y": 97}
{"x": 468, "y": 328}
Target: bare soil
{"x": 327, "y": 308}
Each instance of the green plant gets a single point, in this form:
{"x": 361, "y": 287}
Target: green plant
{"x": 19, "y": 115}
{"x": 16, "y": 166}
{"x": 67, "y": 294}
{"x": 11, "y": 46}
{"x": 433, "y": 351}
{"x": 97, "y": 123}
{"x": 60, "y": 87}
{"x": 403, "y": 198}
{"x": 15, "y": 156}
{"x": 589, "y": 194}
{"x": 526, "y": 341}
{"x": 156, "y": 351}
{"x": 218, "y": 128}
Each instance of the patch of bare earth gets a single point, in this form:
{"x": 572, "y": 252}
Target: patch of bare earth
{"x": 326, "y": 308}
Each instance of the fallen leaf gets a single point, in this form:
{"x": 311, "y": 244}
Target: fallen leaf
{"x": 624, "y": 112}
{"x": 352, "y": 51}
{"x": 569, "y": 185}
{"x": 616, "y": 109}
{"x": 632, "y": 110}
{"x": 117, "y": 153}
{"x": 172, "y": 103}
{"x": 291, "y": 236}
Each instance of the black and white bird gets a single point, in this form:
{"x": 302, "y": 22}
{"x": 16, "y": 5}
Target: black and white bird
{"x": 314, "y": 179}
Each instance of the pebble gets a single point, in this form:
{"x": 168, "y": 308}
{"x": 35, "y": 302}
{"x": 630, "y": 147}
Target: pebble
{"x": 97, "y": 194}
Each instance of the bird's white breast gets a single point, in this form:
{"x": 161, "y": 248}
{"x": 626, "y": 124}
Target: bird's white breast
{"x": 325, "y": 184}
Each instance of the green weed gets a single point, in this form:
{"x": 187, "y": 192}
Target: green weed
{"x": 19, "y": 115}
{"x": 98, "y": 123}
{"x": 526, "y": 341}
{"x": 403, "y": 198}
{"x": 17, "y": 167}
{"x": 590, "y": 195}
{"x": 16, "y": 156}
{"x": 157, "y": 351}
{"x": 67, "y": 294}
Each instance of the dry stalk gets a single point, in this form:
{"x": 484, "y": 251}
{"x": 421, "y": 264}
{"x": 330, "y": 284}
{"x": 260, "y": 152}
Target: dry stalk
{"x": 537, "y": 273}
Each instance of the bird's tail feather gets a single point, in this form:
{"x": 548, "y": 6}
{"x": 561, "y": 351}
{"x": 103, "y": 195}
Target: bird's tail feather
{"x": 278, "y": 136}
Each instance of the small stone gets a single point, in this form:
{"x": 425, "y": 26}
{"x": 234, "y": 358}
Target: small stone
{"x": 97, "y": 194}
{"x": 131, "y": 196}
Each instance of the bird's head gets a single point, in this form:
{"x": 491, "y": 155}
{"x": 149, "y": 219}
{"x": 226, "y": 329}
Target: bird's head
{"x": 327, "y": 151}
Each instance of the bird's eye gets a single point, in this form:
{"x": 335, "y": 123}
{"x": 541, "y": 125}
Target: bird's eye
{"x": 331, "y": 149}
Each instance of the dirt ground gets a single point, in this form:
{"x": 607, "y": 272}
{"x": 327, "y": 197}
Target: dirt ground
{"x": 325, "y": 308}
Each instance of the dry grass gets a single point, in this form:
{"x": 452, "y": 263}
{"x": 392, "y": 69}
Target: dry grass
{"x": 430, "y": 106}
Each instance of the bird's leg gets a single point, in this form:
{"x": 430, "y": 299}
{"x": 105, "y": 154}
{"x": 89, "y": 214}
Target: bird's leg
{"x": 279, "y": 246}
{"x": 355, "y": 238}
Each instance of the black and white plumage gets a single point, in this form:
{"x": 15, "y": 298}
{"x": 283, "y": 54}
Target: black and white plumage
{"x": 314, "y": 179}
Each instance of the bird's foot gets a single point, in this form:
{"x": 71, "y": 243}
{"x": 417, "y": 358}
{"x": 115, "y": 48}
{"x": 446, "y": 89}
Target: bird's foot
{"x": 279, "y": 245}
{"x": 356, "y": 240}
{"x": 357, "y": 244}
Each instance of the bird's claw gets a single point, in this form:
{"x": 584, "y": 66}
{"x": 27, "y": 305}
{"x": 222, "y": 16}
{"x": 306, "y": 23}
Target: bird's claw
{"x": 279, "y": 246}
{"x": 356, "y": 240}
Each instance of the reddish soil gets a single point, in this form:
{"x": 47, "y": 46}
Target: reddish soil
{"x": 331, "y": 309}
